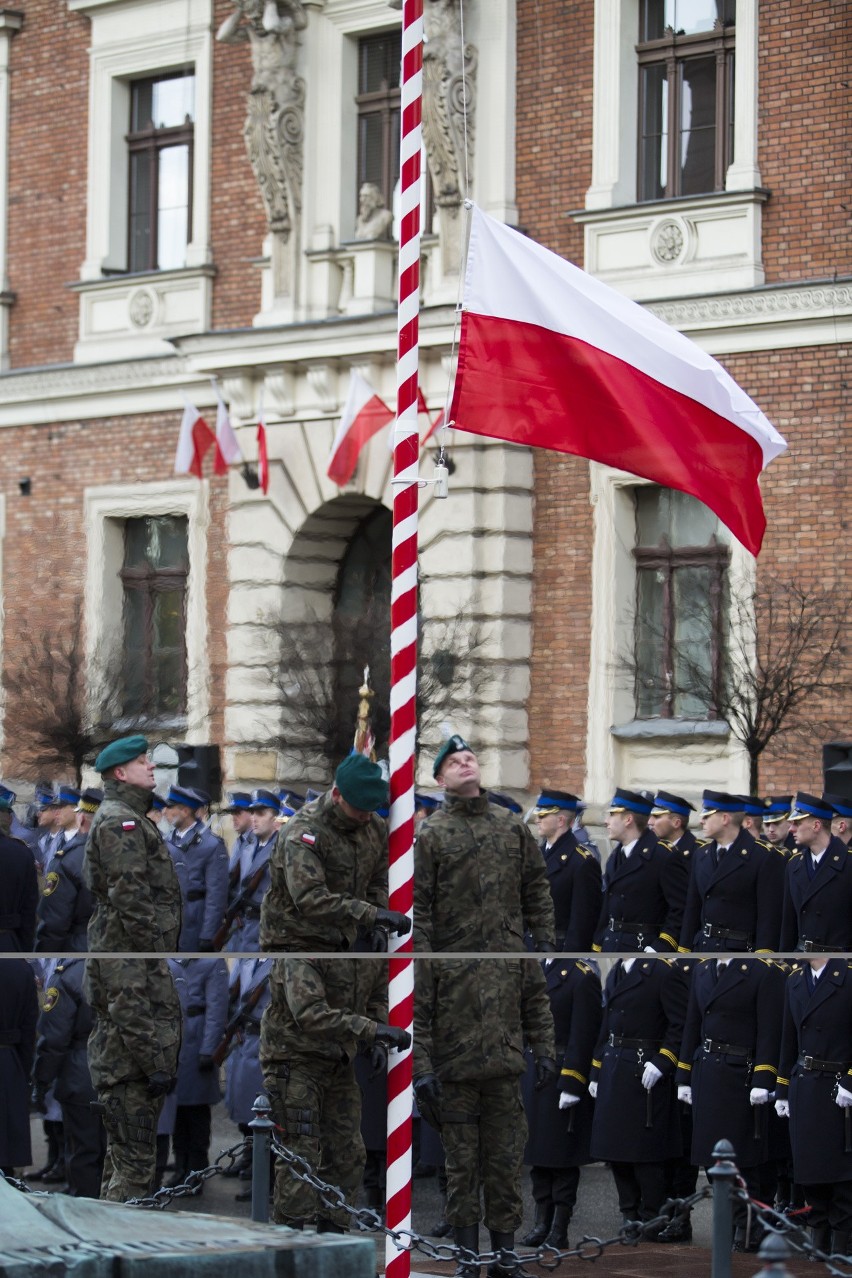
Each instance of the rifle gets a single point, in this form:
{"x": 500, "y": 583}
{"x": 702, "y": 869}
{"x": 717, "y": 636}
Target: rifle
{"x": 236, "y": 1022}
{"x": 233, "y": 910}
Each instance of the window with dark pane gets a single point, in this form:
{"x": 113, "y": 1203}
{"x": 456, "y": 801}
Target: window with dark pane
{"x": 378, "y": 106}
{"x": 686, "y": 96}
{"x": 154, "y": 578}
{"x": 681, "y": 577}
{"x": 162, "y": 111}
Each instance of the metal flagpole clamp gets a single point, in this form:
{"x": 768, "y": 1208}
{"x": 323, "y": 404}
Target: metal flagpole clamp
{"x": 441, "y": 480}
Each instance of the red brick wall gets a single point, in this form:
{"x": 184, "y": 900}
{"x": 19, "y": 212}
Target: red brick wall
{"x": 805, "y": 137}
{"x": 49, "y": 74}
{"x": 44, "y": 551}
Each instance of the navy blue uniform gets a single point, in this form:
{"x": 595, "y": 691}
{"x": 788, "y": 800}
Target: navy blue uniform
{"x": 643, "y": 898}
{"x": 18, "y": 897}
{"x": 65, "y": 905}
{"x": 734, "y": 901}
{"x": 202, "y": 987}
{"x": 817, "y": 910}
{"x": 575, "y": 885}
{"x": 730, "y": 1044}
{"x": 244, "y": 1080}
{"x": 18, "y": 1014}
{"x": 201, "y": 861}
{"x": 246, "y": 936}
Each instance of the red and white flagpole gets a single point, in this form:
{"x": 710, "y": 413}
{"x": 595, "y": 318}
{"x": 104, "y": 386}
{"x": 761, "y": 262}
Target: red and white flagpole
{"x": 404, "y": 632}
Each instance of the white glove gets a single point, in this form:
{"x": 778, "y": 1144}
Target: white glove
{"x": 843, "y": 1098}
{"x": 650, "y": 1076}
{"x": 566, "y": 1100}
{"x": 758, "y": 1096}
{"x": 649, "y": 949}
{"x": 593, "y": 1089}
{"x": 685, "y": 1094}
{"x": 782, "y": 1108}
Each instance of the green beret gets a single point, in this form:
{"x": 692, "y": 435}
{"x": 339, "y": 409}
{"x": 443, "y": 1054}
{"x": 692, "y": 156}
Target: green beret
{"x": 121, "y": 751}
{"x": 452, "y": 746}
{"x": 362, "y": 783}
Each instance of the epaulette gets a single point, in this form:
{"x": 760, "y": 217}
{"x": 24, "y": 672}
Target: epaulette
{"x": 583, "y": 851}
{"x": 700, "y": 843}
{"x": 779, "y": 848}
{"x": 798, "y": 970}
{"x": 584, "y": 967}
{"x": 761, "y": 843}
{"x": 793, "y": 855}
{"x": 665, "y": 843}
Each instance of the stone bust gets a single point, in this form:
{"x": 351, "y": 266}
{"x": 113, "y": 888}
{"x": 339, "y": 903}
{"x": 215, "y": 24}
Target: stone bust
{"x": 374, "y": 220}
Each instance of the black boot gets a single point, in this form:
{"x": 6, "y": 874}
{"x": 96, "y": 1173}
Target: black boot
{"x": 820, "y": 1236}
{"x": 678, "y": 1230}
{"x": 328, "y": 1226}
{"x": 501, "y": 1242}
{"x": 181, "y": 1171}
{"x": 541, "y": 1228}
{"x": 558, "y": 1236}
{"x": 442, "y": 1227}
{"x": 840, "y": 1242}
{"x": 467, "y": 1236}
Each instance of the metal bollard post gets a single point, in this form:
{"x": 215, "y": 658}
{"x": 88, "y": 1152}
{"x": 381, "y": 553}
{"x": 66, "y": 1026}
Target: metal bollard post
{"x": 774, "y": 1252}
{"x": 261, "y": 1129}
{"x": 723, "y": 1175}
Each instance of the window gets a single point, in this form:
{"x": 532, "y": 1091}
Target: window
{"x": 160, "y": 146}
{"x": 154, "y": 584}
{"x": 378, "y": 105}
{"x": 681, "y": 568}
{"x": 686, "y": 96}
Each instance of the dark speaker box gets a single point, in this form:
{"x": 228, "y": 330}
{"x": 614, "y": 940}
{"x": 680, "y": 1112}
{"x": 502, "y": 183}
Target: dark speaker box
{"x": 837, "y": 768}
{"x": 200, "y": 768}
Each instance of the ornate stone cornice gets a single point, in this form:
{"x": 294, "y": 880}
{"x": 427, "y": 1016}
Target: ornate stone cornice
{"x": 784, "y": 304}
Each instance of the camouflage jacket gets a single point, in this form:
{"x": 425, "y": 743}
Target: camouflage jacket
{"x": 479, "y": 880}
{"x": 473, "y": 1017}
{"x": 322, "y": 1008}
{"x": 138, "y": 1019}
{"x": 328, "y": 874}
{"x": 131, "y": 876}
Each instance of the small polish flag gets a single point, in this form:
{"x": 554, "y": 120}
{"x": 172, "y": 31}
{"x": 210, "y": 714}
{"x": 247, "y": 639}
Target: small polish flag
{"x": 262, "y": 456}
{"x": 193, "y": 442}
{"x": 364, "y": 415}
{"x": 227, "y": 447}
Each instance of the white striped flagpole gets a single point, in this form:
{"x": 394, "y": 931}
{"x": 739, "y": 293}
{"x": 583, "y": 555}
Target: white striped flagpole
{"x": 404, "y": 633}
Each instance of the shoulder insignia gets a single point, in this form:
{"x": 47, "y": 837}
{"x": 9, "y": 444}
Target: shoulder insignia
{"x": 793, "y": 855}
{"x": 583, "y": 852}
{"x": 309, "y": 838}
{"x": 128, "y": 825}
{"x": 584, "y": 967}
{"x": 701, "y": 843}
{"x": 51, "y": 998}
{"x": 51, "y": 883}
{"x": 664, "y": 843}
{"x": 779, "y": 848}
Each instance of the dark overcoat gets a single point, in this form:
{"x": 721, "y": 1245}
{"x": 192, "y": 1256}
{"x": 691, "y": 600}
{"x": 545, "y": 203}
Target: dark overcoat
{"x": 743, "y": 895}
{"x": 64, "y": 1024}
{"x": 65, "y": 904}
{"x": 18, "y": 1016}
{"x": 648, "y": 888}
{"x": 575, "y": 885}
{"x": 819, "y": 908}
{"x": 18, "y": 897}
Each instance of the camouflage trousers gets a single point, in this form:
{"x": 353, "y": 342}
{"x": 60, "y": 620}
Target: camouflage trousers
{"x": 318, "y": 1106}
{"x": 130, "y": 1117}
{"x": 484, "y": 1129}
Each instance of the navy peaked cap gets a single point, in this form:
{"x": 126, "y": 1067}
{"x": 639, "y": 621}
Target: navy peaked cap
{"x": 630, "y": 801}
{"x": 665, "y": 802}
{"x": 808, "y": 805}
{"x": 556, "y": 801}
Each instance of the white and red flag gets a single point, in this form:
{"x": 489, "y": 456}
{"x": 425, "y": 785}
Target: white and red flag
{"x": 364, "y": 415}
{"x": 262, "y": 455}
{"x": 551, "y": 357}
{"x": 227, "y": 447}
{"x": 193, "y": 442}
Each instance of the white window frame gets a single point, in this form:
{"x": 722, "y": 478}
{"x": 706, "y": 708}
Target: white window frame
{"x": 107, "y": 508}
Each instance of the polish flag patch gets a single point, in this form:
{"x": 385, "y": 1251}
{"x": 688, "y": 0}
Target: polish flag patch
{"x": 310, "y": 839}
{"x": 128, "y": 825}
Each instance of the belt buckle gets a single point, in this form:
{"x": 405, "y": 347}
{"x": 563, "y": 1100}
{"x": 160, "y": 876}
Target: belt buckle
{"x": 611, "y": 1042}
{"x": 707, "y": 1045}
{"x": 808, "y": 1062}
{"x": 707, "y": 930}
{"x": 612, "y": 926}
{"x": 807, "y": 947}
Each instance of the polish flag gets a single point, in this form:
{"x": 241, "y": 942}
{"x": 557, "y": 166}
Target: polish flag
{"x": 551, "y": 357}
{"x": 227, "y": 448}
{"x": 193, "y": 442}
{"x": 364, "y": 415}
{"x": 262, "y": 456}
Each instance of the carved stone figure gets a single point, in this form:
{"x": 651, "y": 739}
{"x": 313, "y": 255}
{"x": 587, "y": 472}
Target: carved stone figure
{"x": 374, "y": 220}
{"x": 274, "y": 127}
{"x": 443, "y": 101}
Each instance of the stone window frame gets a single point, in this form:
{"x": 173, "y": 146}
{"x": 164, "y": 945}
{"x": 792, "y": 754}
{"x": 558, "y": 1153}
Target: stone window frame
{"x": 142, "y": 49}
{"x": 106, "y": 508}
{"x": 149, "y": 141}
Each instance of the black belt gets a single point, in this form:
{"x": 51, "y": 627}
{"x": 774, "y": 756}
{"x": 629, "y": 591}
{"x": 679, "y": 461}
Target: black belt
{"x": 251, "y": 1027}
{"x": 816, "y": 947}
{"x": 638, "y": 929}
{"x": 197, "y": 1010}
{"x": 822, "y": 1067}
{"x": 726, "y": 934}
{"x": 197, "y": 894}
{"x": 641, "y": 1044}
{"x": 725, "y": 1049}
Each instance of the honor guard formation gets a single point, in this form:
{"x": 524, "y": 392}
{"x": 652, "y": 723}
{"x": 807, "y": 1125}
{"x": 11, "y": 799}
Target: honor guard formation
{"x": 693, "y": 987}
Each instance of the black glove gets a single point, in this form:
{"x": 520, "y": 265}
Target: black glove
{"x": 378, "y": 939}
{"x": 205, "y": 947}
{"x": 393, "y": 921}
{"x": 427, "y": 1091}
{"x": 544, "y": 946}
{"x": 378, "y": 1061}
{"x": 393, "y": 1036}
{"x": 205, "y": 1064}
{"x": 545, "y": 1072}
{"x": 39, "y": 1098}
{"x": 160, "y": 1083}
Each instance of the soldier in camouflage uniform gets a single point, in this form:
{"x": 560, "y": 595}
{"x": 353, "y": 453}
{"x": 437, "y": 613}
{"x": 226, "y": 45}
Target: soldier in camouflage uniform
{"x": 480, "y": 880}
{"x": 133, "y": 1057}
{"x": 329, "y": 869}
{"x": 127, "y": 865}
{"x": 320, "y": 1013}
{"x": 472, "y": 1018}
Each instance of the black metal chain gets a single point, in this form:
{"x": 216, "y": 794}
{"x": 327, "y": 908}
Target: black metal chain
{"x": 369, "y": 1221}
{"x": 161, "y": 1198}
{"x": 23, "y": 1186}
{"x": 796, "y": 1235}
